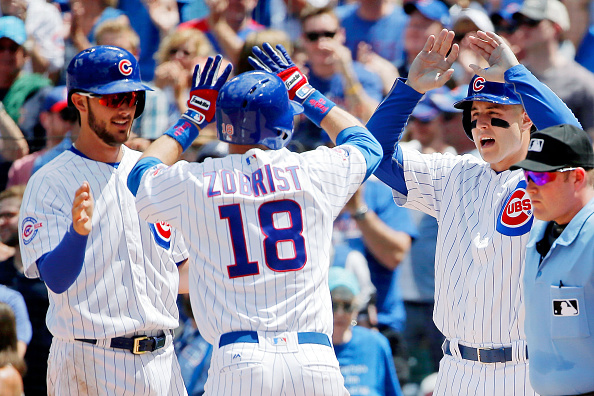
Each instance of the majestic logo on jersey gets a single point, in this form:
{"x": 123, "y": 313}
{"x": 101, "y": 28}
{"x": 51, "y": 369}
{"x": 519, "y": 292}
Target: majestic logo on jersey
{"x": 162, "y": 233}
{"x": 536, "y": 145}
{"x": 125, "y": 67}
{"x": 516, "y": 216}
{"x": 342, "y": 153}
{"x": 566, "y": 307}
{"x": 478, "y": 84}
{"x": 30, "y": 227}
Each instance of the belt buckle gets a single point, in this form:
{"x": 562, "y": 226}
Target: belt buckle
{"x": 136, "y": 347}
{"x": 478, "y": 354}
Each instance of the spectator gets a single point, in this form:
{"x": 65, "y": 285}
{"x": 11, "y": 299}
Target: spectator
{"x": 364, "y": 355}
{"x": 558, "y": 280}
{"x": 87, "y": 15}
{"x": 12, "y": 366}
{"x": 333, "y": 72}
{"x": 15, "y": 300}
{"x": 425, "y": 130}
{"x": 374, "y": 34}
{"x": 44, "y": 27}
{"x": 540, "y": 33}
{"x": 33, "y": 291}
{"x": 154, "y": 119}
{"x": 271, "y": 36}
{"x": 227, "y": 25}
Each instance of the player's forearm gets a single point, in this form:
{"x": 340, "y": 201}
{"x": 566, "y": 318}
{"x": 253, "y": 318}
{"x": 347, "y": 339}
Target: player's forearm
{"x": 388, "y": 246}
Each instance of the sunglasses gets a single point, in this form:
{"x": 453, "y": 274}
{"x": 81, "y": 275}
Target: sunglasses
{"x": 346, "y": 306}
{"x": 542, "y": 178}
{"x": 532, "y": 23}
{"x": 315, "y": 36}
{"x": 115, "y": 100}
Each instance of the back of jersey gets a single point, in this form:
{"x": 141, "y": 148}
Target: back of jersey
{"x": 259, "y": 226}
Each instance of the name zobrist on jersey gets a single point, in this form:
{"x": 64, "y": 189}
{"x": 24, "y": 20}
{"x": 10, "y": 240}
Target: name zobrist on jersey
{"x": 264, "y": 180}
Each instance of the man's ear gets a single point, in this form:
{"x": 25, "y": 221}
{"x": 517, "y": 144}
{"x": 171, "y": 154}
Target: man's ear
{"x": 80, "y": 102}
{"x": 580, "y": 177}
{"x": 526, "y": 122}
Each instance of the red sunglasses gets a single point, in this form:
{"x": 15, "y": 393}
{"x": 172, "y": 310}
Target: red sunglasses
{"x": 115, "y": 100}
{"x": 542, "y": 178}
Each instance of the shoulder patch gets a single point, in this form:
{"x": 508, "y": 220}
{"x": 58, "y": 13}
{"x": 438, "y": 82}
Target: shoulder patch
{"x": 162, "y": 234}
{"x": 30, "y": 227}
{"x": 342, "y": 153}
{"x": 516, "y": 215}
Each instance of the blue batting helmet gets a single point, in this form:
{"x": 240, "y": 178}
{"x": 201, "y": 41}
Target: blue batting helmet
{"x": 480, "y": 90}
{"x": 105, "y": 69}
{"x": 254, "y": 108}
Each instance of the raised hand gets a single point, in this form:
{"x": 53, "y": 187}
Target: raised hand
{"x": 82, "y": 209}
{"x": 281, "y": 64}
{"x": 495, "y": 51}
{"x": 205, "y": 90}
{"x": 432, "y": 67}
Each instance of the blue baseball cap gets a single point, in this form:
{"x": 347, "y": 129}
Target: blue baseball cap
{"x": 481, "y": 90}
{"x": 444, "y": 100}
{"x": 424, "y": 112}
{"x": 435, "y": 10}
{"x": 340, "y": 277}
{"x": 13, "y": 28}
{"x": 56, "y": 99}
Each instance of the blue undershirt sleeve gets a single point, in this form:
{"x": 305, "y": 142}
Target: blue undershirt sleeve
{"x": 387, "y": 125}
{"x": 544, "y": 108}
{"x": 365, "y": 142}
{"x": 136, "y": 173}
{"x": 60, "y": 267}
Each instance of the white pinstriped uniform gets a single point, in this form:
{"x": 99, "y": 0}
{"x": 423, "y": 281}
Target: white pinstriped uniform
{"x": 478, "y": 270}
{"x": 127, "y": 286}
{"x": 310, "y": 189}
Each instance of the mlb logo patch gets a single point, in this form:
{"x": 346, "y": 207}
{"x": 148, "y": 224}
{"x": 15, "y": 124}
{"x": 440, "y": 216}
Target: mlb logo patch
{"x": 536, "y": 145}
{"x": 279, "y": 340}
{"x": 566, "y": 307}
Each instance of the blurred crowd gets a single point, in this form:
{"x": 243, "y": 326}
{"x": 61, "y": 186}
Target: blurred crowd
{"x": 352, "y": 52}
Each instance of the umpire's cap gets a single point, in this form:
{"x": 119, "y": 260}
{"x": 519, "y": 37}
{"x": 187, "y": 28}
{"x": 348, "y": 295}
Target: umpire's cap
{"x": 105, "y": 69}
{"x": 254, "y": 108}
{"x": 481, "y": 90}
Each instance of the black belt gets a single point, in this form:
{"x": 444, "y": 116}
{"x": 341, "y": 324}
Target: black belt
{"x": 137, "y": 344}
{"x": 483, "y": 355}
{"x": 252, "y": 338}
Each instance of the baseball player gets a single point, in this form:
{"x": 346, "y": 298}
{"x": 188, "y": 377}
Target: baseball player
{"x": 482, "y": 208}
{"x": 259, "y": 224}
{"x": 112, "y": 277}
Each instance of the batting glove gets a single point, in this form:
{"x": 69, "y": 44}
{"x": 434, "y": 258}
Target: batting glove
{"x": 315, "y": 105}
{"x": 202, "y": 102}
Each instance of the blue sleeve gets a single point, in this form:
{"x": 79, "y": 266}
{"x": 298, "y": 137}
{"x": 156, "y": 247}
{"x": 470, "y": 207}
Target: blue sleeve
{"x": 17, "y": 303}
{"x": 365, "y": 143}
{"x": 60, "y": 267}
{"x": 387, "y": 125}
{"x": 544, "y": 108}
{"x": 136, "y": 173}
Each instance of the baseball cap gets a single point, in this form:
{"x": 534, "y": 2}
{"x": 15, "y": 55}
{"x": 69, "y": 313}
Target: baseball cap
{"x": 558, "y": 147}
{"x": 481, "y": 90}
{"x": 553, "y": 10}
{"x": 432, "y": 9}
{"x": 343, "y": 283}
{"x": 56, "y": 99}
{"x": 477, "y": 16}
{"x": 444, "y": 100}
{"x": 505, "y": 14}
{"x": 13, "y": 28}
{"x": 424, "y": 112}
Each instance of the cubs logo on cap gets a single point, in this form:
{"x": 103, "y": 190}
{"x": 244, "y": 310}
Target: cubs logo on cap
{"x": 162, "y": 233}
{"x": 516, "y": 216}
{"x": 125, "y": 67}
{"x": 478, "y": 84}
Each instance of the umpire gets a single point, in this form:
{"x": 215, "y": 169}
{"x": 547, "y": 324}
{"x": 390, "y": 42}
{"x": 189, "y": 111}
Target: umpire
{"x": 559, "y": 273}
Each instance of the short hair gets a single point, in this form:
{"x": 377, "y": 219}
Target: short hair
{"x": 8, "y": 333}
{"x": 271, "y": 36}
{"x": 177, "y": 37}
{"x": 590, "y": 177}
{"x": 17, "y": 191}
{"x": 118, "y": 27}
{"x": 109, "y": 3}
{"x": 310, "y": 12}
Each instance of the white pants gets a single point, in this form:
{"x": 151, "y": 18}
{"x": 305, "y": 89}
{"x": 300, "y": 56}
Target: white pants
{"x": 273, "y": 367}
{"x": 79, "y": 368}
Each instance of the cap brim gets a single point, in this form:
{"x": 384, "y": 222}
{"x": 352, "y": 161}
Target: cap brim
{"x": 534, "y": 166}
{"x": 297, "y": 108}
{"x": 118, "y": 87}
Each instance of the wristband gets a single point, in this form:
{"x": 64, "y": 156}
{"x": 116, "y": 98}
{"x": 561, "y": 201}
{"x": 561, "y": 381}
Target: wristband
{"x": 184, "y": 131}
{"x": 316, "y": 106}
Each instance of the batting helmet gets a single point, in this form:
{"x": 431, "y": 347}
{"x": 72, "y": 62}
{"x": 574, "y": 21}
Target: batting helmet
{"x": 480, "y": 90}
{"x": 103, "y": 70}
{"x": 254, "y": 108}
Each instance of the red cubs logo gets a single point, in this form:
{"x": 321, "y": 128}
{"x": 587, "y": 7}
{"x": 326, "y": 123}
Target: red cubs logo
{"x": 163, "y": 229}
{"x": 125, "y": 67}
{"x": 518, "y": 210}
{"x": 478, "y": 84}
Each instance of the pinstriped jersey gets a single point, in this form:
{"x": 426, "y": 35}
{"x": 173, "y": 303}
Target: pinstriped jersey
{"x": 484, "y": 222}
{"x": 129, "y": 279}
{"x": 259, "y": 228}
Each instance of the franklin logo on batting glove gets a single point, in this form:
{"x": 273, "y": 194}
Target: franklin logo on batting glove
{"x": 200, "y": 102}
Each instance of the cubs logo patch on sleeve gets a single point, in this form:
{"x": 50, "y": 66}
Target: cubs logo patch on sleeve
{"x": 162, "y": 234}
{"x": 30, "y": 227}
{"x": 516, "y": 215}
